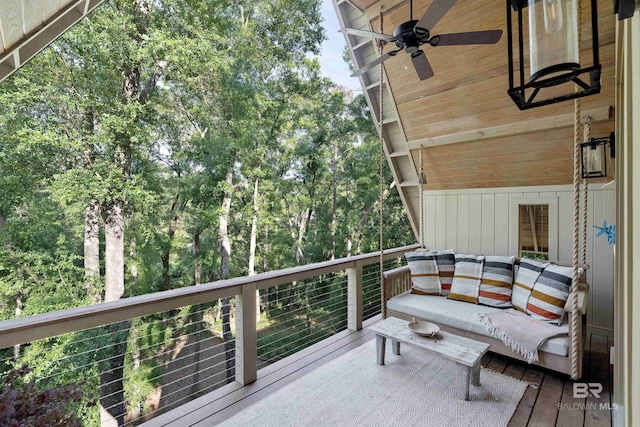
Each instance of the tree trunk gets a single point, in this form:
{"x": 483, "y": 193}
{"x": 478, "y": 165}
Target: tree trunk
{"x": 270, "y": 297}
{"x": 16, "y": 348}
{"x": 334, "y": 204}
{"x": 197, "y": 315}
{"x": 252, "y": 244}
{"x": 223, "y": 234}
{"x": 166, "y": 254}
{"x": 92, "y": 251}
{"x": 114, "y": 250}
{"x": 197, "y": 266}
{"x": 357, "y": 234}
{"x": 112, "y": 404}
{"x": 299, "y": 239}
{"x": 133, "y": 263}
{"x": 3, "y": 220}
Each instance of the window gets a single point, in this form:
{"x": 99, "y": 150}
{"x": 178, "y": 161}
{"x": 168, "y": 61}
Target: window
{"x": 544, "y": 213}
{"x": 533, "y": 231}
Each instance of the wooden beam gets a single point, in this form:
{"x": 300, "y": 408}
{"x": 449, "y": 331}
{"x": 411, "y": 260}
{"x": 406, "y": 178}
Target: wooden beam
{"x": 532, "y": 221}
{"x": 373, "y": 11}
{"x": 354, "y": 297}
{"x": 57, "y": 19}
{"x": 246, "y": 335}
{"x": 518, "y": 128}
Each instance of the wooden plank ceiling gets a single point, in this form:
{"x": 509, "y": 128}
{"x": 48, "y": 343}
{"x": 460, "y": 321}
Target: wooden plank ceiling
{"x": 472, "y": 135}
{"x": 28, "y": 26}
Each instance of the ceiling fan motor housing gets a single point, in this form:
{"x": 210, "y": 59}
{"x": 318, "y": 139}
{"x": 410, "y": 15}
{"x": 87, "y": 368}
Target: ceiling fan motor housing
{"x": 407, "y": 38}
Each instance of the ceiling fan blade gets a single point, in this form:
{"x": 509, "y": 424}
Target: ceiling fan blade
{"x": 365, "y": 33}
{"x": 434, "y": 13}
{"x": 421, "y": 64}
{"x": 474, "y": 37}
{"x": 375, "y": 62}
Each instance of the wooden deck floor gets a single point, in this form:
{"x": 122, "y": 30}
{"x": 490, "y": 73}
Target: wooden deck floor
{"x": 551, "y": 403}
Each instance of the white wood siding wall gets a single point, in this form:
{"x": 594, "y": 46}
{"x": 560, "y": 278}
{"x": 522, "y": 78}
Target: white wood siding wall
{"x": 480, "y": 221}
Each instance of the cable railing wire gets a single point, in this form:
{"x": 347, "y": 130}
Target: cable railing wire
{"x": 305, "y": 337}
{"x": 290, "y": 327}
{"x": 129, "y": 352}
{"x": 316, "y": 309}
{"x": 288, "y": 313}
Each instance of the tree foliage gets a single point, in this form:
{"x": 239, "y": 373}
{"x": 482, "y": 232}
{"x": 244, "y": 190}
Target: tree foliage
{"x": 151, "y": 104}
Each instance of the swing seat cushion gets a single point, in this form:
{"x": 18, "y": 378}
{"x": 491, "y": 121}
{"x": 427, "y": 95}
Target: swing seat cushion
{"x": 460, "y": 315}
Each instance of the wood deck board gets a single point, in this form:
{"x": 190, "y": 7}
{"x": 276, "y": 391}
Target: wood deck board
{"x": 571, "y": 418}
{"x": 545, "y": 411}
{"x": 498, "y": 364}
{"x": 264, "y": 392}
{"x": 596, "y": 415}
{"x": 523, "y": 412}
{"x": 540, "y": 406}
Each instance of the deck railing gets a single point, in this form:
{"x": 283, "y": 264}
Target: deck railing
{"x": 148, "y": 354}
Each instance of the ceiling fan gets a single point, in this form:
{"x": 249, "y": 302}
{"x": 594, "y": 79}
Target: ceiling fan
{"x": 410, "y": 35}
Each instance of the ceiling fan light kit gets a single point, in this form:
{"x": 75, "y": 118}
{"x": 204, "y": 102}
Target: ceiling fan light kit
{"x": 553, "y": 57}
{"x": 411, "y": 35}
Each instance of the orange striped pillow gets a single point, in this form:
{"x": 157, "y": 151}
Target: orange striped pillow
{"x": 550, "y": 293}
{"x": 528, "y": 273}
{"x": 497, "y": 281}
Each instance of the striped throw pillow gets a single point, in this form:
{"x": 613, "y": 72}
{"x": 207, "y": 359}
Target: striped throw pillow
{"x": 550, "y": 293}
{"x": 446, "y": 265}
{"x": 497, "y": 281}
{"x": 466, "y": 278}
{"x": 528, "y": 273}
{"x": 424, "y": 273}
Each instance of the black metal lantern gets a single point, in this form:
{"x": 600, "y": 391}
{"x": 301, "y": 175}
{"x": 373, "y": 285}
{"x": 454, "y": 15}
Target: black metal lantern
{"x": 594, "y": 156}
{"x": 552, "y": 60}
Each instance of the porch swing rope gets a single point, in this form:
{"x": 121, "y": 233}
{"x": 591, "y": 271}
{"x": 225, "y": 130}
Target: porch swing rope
{"x": 383, "y": 293}
{"x": 421, "y": 182}
{"x": 576, "y": 229}
{"x": 585, "y": 193}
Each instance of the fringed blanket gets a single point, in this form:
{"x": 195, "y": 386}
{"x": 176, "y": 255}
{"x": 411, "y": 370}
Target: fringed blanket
{"x": 523, "y": 334}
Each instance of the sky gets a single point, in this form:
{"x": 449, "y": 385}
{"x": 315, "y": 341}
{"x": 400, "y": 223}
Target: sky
{"x": 330, "y": 57}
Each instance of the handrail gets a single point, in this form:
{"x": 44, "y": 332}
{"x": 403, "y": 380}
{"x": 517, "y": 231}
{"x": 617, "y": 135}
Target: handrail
{"x": 27, "y": 329}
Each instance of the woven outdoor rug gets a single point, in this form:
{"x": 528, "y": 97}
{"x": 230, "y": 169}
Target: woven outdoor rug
{"x": 413, "y": 389}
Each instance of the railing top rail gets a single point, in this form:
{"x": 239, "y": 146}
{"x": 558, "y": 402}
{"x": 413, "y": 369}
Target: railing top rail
{"x": 395, "y": 271}
{"x": 27, "y": 329}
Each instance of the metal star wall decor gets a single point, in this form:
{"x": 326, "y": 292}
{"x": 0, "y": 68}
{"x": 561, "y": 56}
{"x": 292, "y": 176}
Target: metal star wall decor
{"x": 609, "y": 230}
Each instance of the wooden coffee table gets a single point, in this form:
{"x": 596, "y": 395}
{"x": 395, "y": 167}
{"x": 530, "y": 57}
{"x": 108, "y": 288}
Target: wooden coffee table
{"x": 464, "y": 351}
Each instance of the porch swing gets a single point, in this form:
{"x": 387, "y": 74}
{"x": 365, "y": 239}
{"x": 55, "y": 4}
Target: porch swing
{"x": 398, "y": 281}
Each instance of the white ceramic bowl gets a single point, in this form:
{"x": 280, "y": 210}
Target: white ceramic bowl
{"x": 425, "y": 329}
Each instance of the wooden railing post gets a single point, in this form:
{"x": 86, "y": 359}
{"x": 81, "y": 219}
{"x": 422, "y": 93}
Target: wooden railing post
{"x": 246, "y": 335}
{"x": 354, "y": 297}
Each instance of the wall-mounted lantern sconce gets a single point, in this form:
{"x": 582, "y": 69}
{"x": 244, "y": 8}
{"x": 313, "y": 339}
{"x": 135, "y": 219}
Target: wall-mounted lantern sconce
{"x": 624, "y": 8}
{"x": 594, "y": 156}
{"x": 551, "y": 60}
